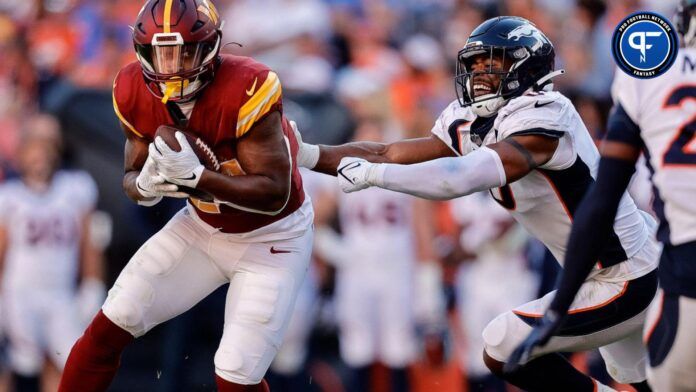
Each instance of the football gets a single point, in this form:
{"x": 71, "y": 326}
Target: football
{"x": 203, "y": 151}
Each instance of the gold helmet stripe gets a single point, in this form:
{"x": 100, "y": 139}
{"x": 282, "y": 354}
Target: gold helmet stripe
{"x": 168, "y": 16}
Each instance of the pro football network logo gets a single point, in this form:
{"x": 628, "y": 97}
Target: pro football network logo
{"x": 645, "y": 45}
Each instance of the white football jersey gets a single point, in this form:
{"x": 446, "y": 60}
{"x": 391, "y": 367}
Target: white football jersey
{"x": 377, "y": 227}
{"x": 545, "y": 200}
{"x": 664, "y": 111}
{"x": 44, "y": 231}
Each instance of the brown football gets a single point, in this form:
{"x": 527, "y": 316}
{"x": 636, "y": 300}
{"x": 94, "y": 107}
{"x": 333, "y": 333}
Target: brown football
{"x": 203, "y": 151}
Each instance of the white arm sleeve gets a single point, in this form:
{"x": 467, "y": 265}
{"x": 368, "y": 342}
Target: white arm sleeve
{"x": 444, "y": 178}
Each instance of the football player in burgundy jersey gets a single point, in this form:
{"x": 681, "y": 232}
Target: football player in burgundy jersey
{"x": 255, "y": 233}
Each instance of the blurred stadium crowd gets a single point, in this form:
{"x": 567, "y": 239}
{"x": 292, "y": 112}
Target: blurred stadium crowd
{"x": 351, "y": 69}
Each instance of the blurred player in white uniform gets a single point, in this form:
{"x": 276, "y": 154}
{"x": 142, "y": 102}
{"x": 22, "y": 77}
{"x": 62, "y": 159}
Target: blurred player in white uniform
{"x": 376, "y": 260}
{"x": 654, "y": 116}
{"x": 510, "y": 133}
{"x": 45, "y": 248}
{"x": 497, "y": 243}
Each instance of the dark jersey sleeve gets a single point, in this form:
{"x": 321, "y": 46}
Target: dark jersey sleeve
{"x": 620, "y": 128}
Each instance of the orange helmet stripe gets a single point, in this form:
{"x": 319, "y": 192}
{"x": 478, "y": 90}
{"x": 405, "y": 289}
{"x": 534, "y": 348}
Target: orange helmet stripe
{"x": 168, "y": 16}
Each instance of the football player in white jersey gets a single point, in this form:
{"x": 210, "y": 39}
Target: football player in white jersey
{"x": 654, "y": 116}
{"x": 44, "y": 246}
{"x": 512, "y": 134}
{"x": 376, "y": 260}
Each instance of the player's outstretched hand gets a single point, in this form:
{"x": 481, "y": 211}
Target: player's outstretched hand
{"x": 177, "y": 167}
{"x": 354, "y": 174}
{"x": 153, "y": 186}
{"x": 540, "y": 335}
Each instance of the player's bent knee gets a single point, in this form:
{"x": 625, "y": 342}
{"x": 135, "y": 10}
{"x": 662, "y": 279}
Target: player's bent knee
{"x": 125, "y": 311}
{"x": 497, "y": 340}
{"x": 234, "y": 366}
{"x": 495, "y": 366}
{"x": 245, "y": 353}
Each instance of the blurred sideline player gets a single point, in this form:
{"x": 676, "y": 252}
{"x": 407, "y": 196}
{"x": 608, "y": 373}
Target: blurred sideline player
{"x": 496, "y": 242}
{"x": 45, "y": 247}
{"x": 654, "y": 116}
{"x": 510, "y": 133}
{"x": 377, "y": 260}
{"x": 255, "y": 233}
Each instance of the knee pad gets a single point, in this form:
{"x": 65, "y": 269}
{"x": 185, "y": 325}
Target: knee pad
{"x": 244, "y": 355}
{"x": 127, "y": 301}
{"x": 500, "y": 336}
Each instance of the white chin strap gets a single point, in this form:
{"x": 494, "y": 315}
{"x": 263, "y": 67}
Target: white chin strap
{"x": 488, "y": 106}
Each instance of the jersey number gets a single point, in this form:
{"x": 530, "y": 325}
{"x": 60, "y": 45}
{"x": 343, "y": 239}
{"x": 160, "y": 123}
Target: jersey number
{"x": 682, "y": 151}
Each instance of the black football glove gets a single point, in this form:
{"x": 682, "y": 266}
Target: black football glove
{"x": 540, "y": 335}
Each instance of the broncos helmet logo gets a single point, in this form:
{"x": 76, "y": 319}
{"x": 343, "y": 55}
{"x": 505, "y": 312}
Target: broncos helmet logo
{"x": 527, "y": 30}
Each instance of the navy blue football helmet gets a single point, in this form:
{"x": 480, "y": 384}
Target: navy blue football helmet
{"x": 686, "y": 22}
{"x": 519, "y": 43}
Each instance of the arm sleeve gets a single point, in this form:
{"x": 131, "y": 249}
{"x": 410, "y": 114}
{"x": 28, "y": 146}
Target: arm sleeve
{"x": 445, "y": 178}
{"x": 594, "y": 220}
{"x": 621, "y": 128}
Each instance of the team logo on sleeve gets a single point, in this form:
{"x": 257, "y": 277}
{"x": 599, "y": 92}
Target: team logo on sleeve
{"x": 645, "y": 45}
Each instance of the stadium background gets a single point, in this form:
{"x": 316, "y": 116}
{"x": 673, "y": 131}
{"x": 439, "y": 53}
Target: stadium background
{"x": 345, "y": 65}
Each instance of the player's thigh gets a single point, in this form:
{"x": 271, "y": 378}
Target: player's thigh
{"x": 602, "y": 313}
{"x": 397, "y": 340}
{"x": 626, "y": 359}
{"x": 61, "y": 329}
{"x": 293, "y": 351}
{"x": 22, "y": 325}
{"x": 671, "y": 343}
{"x": 260, "y": 301}
{"x": 167, "y": 276}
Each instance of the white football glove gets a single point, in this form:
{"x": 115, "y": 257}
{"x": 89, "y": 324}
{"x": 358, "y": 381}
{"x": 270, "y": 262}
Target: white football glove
{"x": 153, "y": 186}
{"x": 181, "y": 168}
{"x": 355, "y": 174}
{"x": 308, "y": 154}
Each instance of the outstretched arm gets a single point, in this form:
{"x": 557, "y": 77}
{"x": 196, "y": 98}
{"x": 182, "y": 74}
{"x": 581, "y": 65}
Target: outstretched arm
{"x": 325, "y": 159}
{"x": 448, "y": 178}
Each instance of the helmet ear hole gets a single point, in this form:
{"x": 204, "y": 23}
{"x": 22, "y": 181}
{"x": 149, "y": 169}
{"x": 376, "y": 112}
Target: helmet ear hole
{"x": 197, "y": 26}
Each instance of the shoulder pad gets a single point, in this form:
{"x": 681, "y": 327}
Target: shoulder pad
{"x": 447, "y": 125}
{"x": 544, "y": 113}
{"x": 259, "y": 87}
